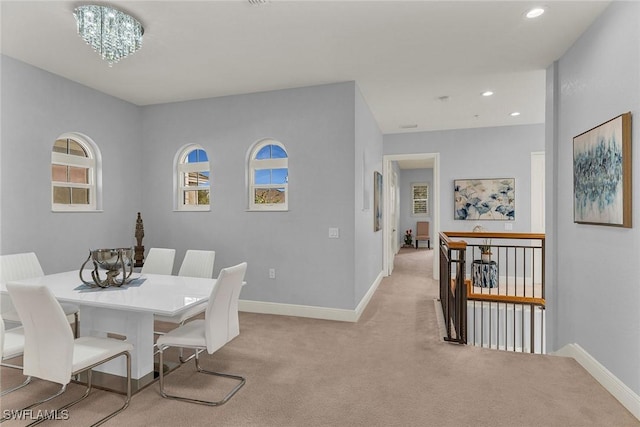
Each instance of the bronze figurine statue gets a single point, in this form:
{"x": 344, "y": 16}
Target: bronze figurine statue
{"x": 139, "y": 249}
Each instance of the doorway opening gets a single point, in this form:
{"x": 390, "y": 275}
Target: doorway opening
{"x": 392, "y": 164}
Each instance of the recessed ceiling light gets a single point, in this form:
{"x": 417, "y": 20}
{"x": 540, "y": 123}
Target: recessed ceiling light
{"x": 515, "y": 114}
{"x": 487, "y": 93}
{"x": 534, "y": 13}
{"x": 409, "y": 126}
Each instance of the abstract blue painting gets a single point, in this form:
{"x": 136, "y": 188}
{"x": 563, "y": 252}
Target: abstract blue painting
{"x": 492, "y": 199}
{"x": 601, "y": 174}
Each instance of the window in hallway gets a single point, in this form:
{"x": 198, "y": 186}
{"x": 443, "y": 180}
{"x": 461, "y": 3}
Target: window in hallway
{"x": 420, "y": 199}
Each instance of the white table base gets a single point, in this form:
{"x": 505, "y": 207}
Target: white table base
{"x": 137, "y": 327}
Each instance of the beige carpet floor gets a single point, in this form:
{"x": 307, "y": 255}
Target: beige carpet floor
{"x": 389, "y": 369}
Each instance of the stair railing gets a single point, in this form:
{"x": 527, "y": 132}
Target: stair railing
{"x": 504, "y": 296}
{"x": 453, "y": 288}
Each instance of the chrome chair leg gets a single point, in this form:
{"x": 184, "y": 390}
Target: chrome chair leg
{"x": 229, "y": 395}
{"x": 39, "y": 402}
{"x": 181, "y": 356}
{"x": 89, "y": 386}
{"x": 18, "y": 387}
{"x": 9, "y": 365}
{"x": 81, "y": 398}
{"x": 241, "y": 382}
{"x": 127, "y": 400}
{"x": 84, "y": 396}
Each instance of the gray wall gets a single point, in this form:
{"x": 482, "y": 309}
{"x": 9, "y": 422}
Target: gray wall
{"x": 316, "y": 125}
{"x": 368, "y": 158}
{"x": 499, "y": 152}
{"x": 406, "y": 178}
{"x": 596, "y": 275}
{"x": 320, "y": 126}
{"x": 37, "y": 107}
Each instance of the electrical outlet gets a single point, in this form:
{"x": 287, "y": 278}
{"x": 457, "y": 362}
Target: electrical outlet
{"x": 272, "y": 273}
{"x": 508, "y": 226}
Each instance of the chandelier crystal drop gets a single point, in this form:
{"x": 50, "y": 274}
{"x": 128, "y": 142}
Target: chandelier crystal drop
{"x": 110, "y": 32}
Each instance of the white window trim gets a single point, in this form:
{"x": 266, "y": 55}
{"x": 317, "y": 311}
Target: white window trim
{"x": 179, "y": 167}
{"x": 93, "y": 162}
{"x": 413, "y": 185}
{"x": 254, "y": 164}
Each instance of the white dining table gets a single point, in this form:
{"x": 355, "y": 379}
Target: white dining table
{"x": 126, "y": 311}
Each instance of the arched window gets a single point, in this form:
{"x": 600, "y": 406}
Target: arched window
{"x": 193, "y": 179}
{"x": 75, "y": 174}
{"x": 268, "y": 176}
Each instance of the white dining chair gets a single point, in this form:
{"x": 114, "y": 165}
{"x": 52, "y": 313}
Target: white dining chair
{"x": 219, "y": 326}
{"x": 50, "y": 351}
{"x": 11, "y": 345}
{"x": 25, "y": 266}
{"x": 196, "y": 263}
{"x": 159, "y": 261}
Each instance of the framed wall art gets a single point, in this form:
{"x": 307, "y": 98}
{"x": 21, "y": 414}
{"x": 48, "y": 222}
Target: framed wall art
{"x": 602, "y": 174}
{"x": 377, "y": 201}
{"x": 480, "y": 199}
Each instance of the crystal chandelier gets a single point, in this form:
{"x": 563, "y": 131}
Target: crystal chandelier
{"x": 110, "y": 32}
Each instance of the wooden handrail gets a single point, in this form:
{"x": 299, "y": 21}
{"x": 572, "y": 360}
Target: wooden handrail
{"x": 452, "y": 244}
{"x": 446, "y": 235}
{"x": 505, "y": 298}
{"x": 499, "y": 298}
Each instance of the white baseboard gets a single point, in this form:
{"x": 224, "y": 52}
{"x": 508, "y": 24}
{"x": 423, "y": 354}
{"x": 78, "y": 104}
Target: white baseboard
{"x": 313, "y": 312}
{"x": 627, "y": 397}
{"x": 367, "y": 297}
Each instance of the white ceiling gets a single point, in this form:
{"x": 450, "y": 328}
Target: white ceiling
{"x": 404, "y": 55}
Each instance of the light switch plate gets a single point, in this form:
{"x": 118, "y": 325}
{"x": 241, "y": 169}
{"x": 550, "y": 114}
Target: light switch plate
{"x": 334, "y": 233}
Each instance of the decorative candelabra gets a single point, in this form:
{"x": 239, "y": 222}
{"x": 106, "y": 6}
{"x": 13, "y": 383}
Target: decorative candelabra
{"x": 114, "y": 261}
